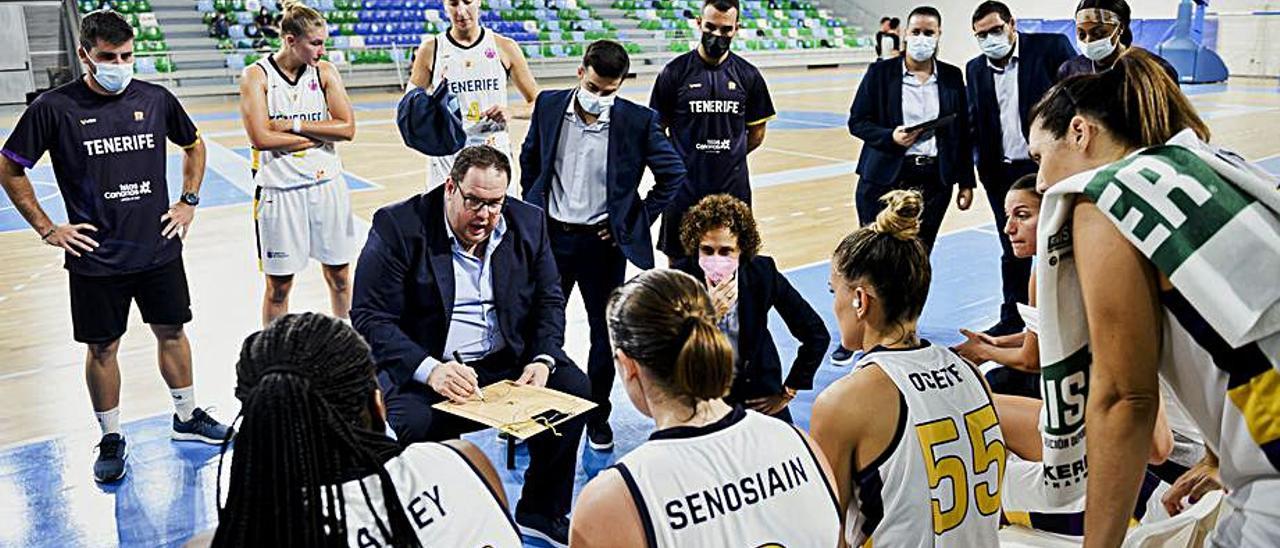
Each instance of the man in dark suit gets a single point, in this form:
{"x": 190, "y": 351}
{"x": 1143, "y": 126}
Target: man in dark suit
{"x": 899, "y": 94}
{"x": 582, "y": 162}
{"x": 1013, "y": 72}
{"x": 457, "y": 289}
{"x": 896, "y": 94}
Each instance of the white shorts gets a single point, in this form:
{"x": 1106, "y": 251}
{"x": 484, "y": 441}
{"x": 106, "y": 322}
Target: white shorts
{"x": 311, "y": 221}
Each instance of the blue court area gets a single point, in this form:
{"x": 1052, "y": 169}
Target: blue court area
{"x": 218, "y": 189}
{"x": 47, "y": 497}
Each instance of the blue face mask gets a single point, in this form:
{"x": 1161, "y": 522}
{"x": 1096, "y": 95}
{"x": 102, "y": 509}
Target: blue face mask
{"x": 995, "y": 46}
{"x": 112, "y": 77}
{"x": 592, "y": 103}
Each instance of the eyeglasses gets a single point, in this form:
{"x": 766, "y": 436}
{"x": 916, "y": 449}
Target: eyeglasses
{"x": 994, "y": 31}
{"x": 474, "y": 204}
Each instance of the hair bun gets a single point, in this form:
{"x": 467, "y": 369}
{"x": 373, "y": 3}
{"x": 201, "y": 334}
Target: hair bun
{"x": 901, "y": 216}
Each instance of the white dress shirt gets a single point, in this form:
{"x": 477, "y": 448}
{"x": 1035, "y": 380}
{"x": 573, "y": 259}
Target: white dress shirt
{"x": 580, "y": 188}
{"x": 1006, "y": 87}
{"x": 920, "y": 104}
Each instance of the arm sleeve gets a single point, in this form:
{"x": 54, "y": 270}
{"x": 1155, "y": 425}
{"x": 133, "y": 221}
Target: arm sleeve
{"x": 32, "y": 136}
{"x": 378, "y": 302}
{"x": 759, "y": 102}
{"x": 668, "y": 169}
{"x": 964, "y": 173}
{"x": 806, "y": 326}
{"x": 182, "y": 131}
{"x": 548, "y": 302}
{"x": 863, "y": 122}
{"x": 663, "y": 99}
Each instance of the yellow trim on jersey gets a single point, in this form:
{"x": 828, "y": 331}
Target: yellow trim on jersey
{"x": 1259, "y": 403}
{"x": 254, "y": 163}
{"x": 1018, "y": 518}
{"x": 193, "y": 143}
{"x": 866, "y": 544}
{"x": 761, "y": 121}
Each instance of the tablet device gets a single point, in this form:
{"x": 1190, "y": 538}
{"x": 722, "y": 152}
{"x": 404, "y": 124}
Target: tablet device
{"x": 941, "y": 121}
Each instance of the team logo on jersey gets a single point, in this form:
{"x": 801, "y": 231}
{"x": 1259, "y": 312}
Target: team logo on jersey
{"x": 314, "y": 85}
{"x": 87, "y": 121}
{"x": 695, "y": 86}
{"x": 489, "y": 53}
{"x": 139, "y": 116}
{"x": 732, "y": 86}
{"x": 467, "y": 63}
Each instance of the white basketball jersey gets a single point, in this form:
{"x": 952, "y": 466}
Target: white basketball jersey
{"x": 938, "y": 483}
{"x": 443, "y": 496}
{"x": 747, "y": 480}
{"x": 478, "y": 79}
{"x": 288, "y": 100}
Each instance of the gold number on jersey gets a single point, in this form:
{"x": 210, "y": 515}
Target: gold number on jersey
{"x": 952, "y": 468}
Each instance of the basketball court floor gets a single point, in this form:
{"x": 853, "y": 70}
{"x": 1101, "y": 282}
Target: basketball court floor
{"x": 803, "y": 179}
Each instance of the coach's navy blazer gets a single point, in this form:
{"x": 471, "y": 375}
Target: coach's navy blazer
{"x": 877, "y": 110}
{"x": 635, "y": 141}
{"x": 404, "y": 292}
{"x": 761, "y": 287}
{"x": 1039, "y": 56}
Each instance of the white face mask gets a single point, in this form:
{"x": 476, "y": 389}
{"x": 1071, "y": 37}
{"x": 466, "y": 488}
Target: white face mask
{"x": 921, "y": 48}
{"x": 592, "y": 103}
{"x": 112, "y": 77}
{"x": 1100, "y": 49}
{"x": 995, "y": 46}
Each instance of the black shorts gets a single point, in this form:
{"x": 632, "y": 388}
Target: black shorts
{"x": 100, "y": 304}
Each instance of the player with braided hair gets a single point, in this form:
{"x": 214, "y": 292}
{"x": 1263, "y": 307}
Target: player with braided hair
{"x": 313, "y": 466}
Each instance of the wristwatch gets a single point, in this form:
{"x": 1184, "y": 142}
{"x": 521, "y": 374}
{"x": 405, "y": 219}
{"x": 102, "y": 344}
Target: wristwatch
{"x": 190, "y": 198}
{"x": 547, "y": 361}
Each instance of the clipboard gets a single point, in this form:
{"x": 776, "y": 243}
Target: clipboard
{"x": 941, "y": 121}
{"x": 520, "y": 410}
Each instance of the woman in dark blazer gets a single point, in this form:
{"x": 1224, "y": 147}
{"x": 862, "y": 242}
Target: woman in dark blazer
{"x": 721, "y": 242}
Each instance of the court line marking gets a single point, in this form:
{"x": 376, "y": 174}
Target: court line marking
{"x": 804, "y": 155}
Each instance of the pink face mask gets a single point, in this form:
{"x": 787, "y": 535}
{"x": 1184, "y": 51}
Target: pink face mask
{"x": 718, "y": 267}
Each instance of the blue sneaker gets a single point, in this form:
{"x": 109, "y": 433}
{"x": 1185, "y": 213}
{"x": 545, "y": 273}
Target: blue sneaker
{"x": 112, "y": 454}
{"x": 841, "y": 356}
{"x": 201, "y": 427}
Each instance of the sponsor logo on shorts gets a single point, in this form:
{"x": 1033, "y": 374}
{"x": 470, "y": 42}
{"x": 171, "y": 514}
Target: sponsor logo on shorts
{"x": 277, "y": 255}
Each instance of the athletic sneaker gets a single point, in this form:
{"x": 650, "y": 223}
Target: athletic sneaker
{"x": 841, "y": 356}
{"x": 112, "y": 454}
{"x": 552, "y": 531}
{"x": 600, "y": 438}
{"x": 201, "y": 427}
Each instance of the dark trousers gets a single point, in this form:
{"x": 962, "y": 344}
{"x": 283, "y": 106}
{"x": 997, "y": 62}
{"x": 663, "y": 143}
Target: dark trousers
{"x": 1015, "y": 273}
{"x": 597, "y": 267}
{"x": 548, "y": 483}
{"x": 1007, "y": 380}
{"x": 926, "y": 179}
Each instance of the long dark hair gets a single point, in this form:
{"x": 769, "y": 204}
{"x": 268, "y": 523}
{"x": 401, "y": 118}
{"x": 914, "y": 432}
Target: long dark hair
{"x": 306, "y": 384}
{"x": 1135, "y": 100}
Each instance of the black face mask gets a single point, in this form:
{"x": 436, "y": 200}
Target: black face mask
{"x": 715, "y": 45}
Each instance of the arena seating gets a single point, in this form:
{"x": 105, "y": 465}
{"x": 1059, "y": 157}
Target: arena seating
{"x": 149, "y": 47}
{"x": 385, "y": 31}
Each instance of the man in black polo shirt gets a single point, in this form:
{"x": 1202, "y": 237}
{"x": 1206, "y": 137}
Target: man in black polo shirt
{"x": 715, "y": 106}
{"x": 106, "y": 137}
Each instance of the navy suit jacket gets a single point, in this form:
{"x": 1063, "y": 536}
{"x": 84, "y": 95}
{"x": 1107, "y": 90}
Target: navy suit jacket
{"x": 761, "y": 287}
{"x": 1039, "y": 56}
{"x": 636, "y": 140}
{"x": 877, "y": 110}
{"x": 404, "y": 286}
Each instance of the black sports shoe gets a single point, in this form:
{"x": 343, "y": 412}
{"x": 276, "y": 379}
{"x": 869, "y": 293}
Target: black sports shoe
{"x": 1005, "y": 327}
{"x": 552, "y": 531}
{"x": 841, "y": 356}
{"x": 600, "y": 438}
{"x": 201, "y": 427}
{"x": 112, "y": 454}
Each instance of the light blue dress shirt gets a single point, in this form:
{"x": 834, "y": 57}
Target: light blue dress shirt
{"x": 920, "y": 104}
{"x": 1006, "y": 87}
{"x": 580, "y": 191}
